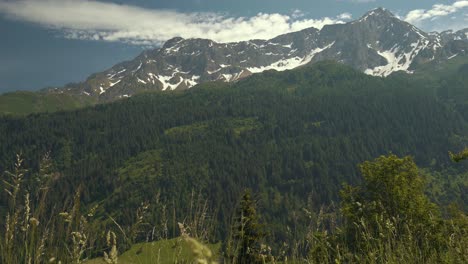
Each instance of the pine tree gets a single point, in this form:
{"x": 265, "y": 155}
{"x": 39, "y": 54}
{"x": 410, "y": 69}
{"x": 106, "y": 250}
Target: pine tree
{"x": 247, "y": 232}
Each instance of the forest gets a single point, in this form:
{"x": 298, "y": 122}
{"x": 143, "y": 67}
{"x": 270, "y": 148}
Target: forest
{"x": 321, "y": 164}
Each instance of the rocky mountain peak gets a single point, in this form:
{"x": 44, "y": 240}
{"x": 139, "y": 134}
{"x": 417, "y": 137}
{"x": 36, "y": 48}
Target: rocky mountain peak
{"x": 380, "y": 11}
{"x": 378, "y": 15}
{"x": 378, "y": 44}
{"x": 171, "y": 42}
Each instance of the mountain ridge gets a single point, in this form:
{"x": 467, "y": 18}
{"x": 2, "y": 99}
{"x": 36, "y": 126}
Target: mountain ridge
{"x": 378, "y": 44}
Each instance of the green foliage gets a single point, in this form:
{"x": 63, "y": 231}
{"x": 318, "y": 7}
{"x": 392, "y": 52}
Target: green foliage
{"x": 372, "y": 228}
{"x": 447, "y": 187}
{"x": 247, "y": 234}
{"x": 384, "y": 223}
{"x": 218, "y": 139}
{"x": 393, "y": 188}
{"x": 457, "y": 157}
{"x": 146, "y": 164}
{"x": 292, "y": 137}
{"x": 23, "y": 103}
{"x": 388, "y": 219}
{"x": 200, "y": 129}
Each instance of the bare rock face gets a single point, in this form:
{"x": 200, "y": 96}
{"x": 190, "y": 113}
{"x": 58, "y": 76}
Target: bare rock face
{"x": 378, "y": 44}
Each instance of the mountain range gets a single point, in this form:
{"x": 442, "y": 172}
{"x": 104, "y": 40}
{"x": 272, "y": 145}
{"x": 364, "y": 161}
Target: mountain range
{"x": 289, "y": 119}
{"x": 378, "y": 43}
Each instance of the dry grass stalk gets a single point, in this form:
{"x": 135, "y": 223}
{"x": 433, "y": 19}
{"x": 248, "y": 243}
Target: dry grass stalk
{"x": 111, "y": 257}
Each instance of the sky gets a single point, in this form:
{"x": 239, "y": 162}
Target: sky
{"x": 48, "y": 43}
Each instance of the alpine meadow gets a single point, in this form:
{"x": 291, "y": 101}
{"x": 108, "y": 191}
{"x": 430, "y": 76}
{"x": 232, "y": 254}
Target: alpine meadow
{"x": 340, "y": 143}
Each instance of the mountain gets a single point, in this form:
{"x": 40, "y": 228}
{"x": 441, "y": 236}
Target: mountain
{"x": 449, "y": 35}
{"x": 378, "y": 44}
{"x": 293, "y": 137}
{"x": 145, "y": 167}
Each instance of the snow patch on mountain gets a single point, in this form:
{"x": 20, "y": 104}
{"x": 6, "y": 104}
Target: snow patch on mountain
{"x": 165, "y": 80}
{"x": 140, "y": 80}
{"x": 397, "y": 60}
{"x": 225, "y": 77}
{"x": 192, "y": 81}
{"x": 215, "y": 71}
{"x": 139, "y": 67}
{"x": 290, "y": 63}
{"x": 112, "y": 84}
{"x": 281, "y": 65}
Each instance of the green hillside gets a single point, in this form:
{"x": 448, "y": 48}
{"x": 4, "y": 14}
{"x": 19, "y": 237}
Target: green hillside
{"x": 23, "y": 103}
{"x": 293, "y": 138}
{"x": 164, "y": 251}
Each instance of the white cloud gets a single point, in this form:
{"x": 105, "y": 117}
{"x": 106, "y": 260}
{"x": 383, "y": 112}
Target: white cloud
{"x": 345, "y": 16}
{"x": 297, "y": 13}
{"x": 419, "y": 16}
{"x": 94, "y": 20}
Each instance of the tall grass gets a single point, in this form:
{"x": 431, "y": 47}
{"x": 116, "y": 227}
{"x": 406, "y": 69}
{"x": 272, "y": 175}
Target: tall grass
{"x": 24, "y": 237}
{"x": 386, "y": 240}
{"x": 32, "y": 231}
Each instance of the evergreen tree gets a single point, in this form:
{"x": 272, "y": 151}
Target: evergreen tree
{"x": 248, "y": 232}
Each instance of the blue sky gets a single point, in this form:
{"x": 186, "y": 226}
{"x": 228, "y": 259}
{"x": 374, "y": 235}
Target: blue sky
{"x": 53, "y": 42}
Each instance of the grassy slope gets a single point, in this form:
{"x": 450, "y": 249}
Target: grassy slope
{"x": 164, "y": 251}
{"x": 24, "y": 102}
{"x": 238, "y": 126}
